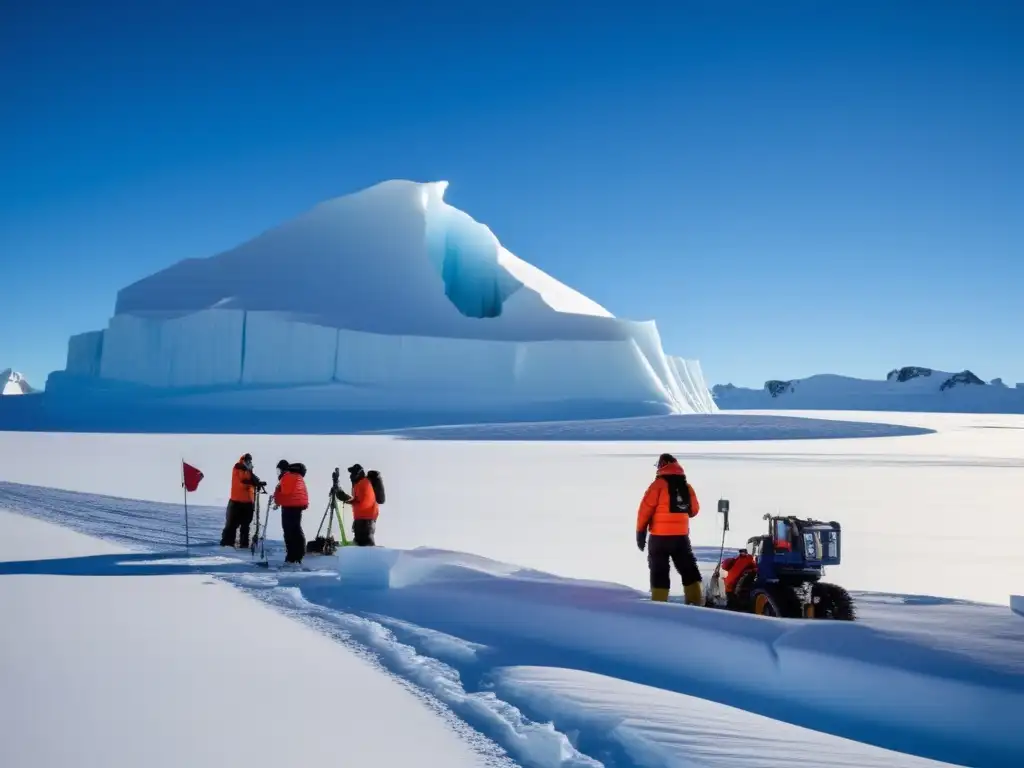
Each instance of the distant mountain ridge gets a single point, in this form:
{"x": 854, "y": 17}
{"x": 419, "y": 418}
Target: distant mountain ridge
{"x": 13, "y": 383}
{"x": 911, "y": 388}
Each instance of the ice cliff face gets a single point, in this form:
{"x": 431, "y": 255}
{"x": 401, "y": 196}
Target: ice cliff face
{"x": 391, "y": 298}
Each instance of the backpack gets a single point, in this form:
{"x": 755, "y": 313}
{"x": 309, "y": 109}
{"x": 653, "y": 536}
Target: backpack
{"x": 378, "y": 484}
{"x": 678, "y": 495}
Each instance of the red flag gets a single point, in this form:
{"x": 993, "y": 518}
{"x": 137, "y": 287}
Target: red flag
{"x": 190, "y": 477}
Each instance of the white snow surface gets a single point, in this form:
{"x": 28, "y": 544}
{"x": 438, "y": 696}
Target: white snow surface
{"x": 467, "y": 633}
{"x": 13, "y": 383}
{"x": 508, "y": 590}
{"x": 392, "y": 299}
{"x": 833, "y": 392}
{"x": 126, "y": 671}
{"x": 655, "y": 727}
{"x": 905, "y": 502}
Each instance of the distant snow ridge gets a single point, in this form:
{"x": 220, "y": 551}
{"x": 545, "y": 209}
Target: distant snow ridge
{"x": 13, "y": 383}
{"x": 912, "y": 388}
{"x": 386, "y": 298}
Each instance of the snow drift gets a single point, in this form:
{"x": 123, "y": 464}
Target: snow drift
{"x": 142, "y": 691}
{"x": 939, "y": 679}
{"x": 385, "y": 299}
{"x": 13, "y": 383}
{"x": 912, "y": 388}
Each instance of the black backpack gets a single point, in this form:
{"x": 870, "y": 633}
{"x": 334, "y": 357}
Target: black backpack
{"x": 678, "y": 495}
{"x": 378, "y": 484}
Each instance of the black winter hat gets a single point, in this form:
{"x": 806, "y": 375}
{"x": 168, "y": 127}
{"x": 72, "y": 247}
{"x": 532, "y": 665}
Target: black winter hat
{"x": 666, "y": 458}
{"x": 355, "y": 469}
{"x": 283, "y": 464}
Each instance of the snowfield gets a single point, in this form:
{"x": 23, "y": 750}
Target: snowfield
{"x": 175, "y": 671}
{"x": 909, "y": 505}
{"x": 506, "y": 619}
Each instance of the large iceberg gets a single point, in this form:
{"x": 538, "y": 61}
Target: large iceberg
{"x": 388, "y": 299}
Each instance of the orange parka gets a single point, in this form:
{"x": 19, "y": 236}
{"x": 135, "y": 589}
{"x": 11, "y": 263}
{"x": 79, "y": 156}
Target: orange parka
{"x": 736, "y": 567}
{"x": 364, "y": 500}
{"x": 241, "y": 483}
{"x": 655, "y": 514}
{"x": 291, "y": 491}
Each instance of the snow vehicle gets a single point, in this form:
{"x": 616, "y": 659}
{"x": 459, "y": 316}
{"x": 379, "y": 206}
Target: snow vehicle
{"x": 780, "y": 574}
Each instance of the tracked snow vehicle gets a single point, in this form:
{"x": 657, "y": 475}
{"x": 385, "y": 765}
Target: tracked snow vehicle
{"x": 780, "y": 574}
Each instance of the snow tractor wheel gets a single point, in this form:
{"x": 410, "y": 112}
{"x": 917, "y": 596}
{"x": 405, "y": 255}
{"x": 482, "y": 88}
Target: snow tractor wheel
{"x": 832, "y": 602}
{"x": 739, "y": 599}
{"x": 776, "y": 600}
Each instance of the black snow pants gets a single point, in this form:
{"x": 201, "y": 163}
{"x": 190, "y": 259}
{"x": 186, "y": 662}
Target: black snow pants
{"x": 663, "y": 549}
{"x": 294, "y": 538}
{"x": 239, "y": 518}
{"x": 362, "y": 532}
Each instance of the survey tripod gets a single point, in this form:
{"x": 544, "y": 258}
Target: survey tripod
{"x": 328, "y": 545}
{"x": 260, "y": 535}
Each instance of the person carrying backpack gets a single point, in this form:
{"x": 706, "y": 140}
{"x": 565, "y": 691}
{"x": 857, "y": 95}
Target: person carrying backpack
{"x": 365, "y": 507}
{"x": 291, "y": 496}
{"x": 665, "y": 510}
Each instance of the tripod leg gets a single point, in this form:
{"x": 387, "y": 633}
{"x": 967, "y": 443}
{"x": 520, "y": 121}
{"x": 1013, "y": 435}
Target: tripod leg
{"x": 341, "y": 525}
{"x": 256, "y": 533}
{"x": 322, "y": 519}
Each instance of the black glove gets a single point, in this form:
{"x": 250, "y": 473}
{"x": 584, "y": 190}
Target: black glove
{"x": 641, "y": 540}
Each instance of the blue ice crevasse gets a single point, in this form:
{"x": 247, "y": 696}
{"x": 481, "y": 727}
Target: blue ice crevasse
{"x": 465, "y": 254}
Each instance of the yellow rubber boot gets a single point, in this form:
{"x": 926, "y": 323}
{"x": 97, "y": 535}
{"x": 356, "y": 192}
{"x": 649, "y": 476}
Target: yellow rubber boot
{"x": 694, "y": 593}
{"x": 659, "y": 595}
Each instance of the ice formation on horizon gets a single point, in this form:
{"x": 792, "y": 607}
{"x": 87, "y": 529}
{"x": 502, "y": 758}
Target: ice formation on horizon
{"x": 386, "y": 298}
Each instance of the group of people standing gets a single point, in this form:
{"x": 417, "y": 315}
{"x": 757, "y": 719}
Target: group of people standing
{"x": 292, "y": 497}
{"x": 662, "y": 523}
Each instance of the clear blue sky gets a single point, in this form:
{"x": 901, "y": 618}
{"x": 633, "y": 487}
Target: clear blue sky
{"x": 787, "y": 188}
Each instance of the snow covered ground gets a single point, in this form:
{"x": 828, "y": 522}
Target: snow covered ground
{"x": 557, "y": 659}
{"x": 909, "y": 505}
{"x": 185, "y": 670}
{"x": 557, "y": 672}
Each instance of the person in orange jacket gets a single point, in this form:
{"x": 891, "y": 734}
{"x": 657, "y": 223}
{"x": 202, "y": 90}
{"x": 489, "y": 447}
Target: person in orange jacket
{"x": 291, "y": 496}
{"x": 665, "y": 511}
{"x": 735, "y": 567}
{"x": 365, "y": 509}
{"x": 241, "y": 505}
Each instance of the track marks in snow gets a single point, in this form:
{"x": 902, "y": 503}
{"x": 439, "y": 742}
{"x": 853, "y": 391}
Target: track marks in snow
{"x": 437, "y": 644}
{"x": 456, "y": 674}
{"x": 532, "y": 744}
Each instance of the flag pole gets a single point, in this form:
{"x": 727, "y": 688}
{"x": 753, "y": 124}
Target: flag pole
{"x": 184, "y": 492}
